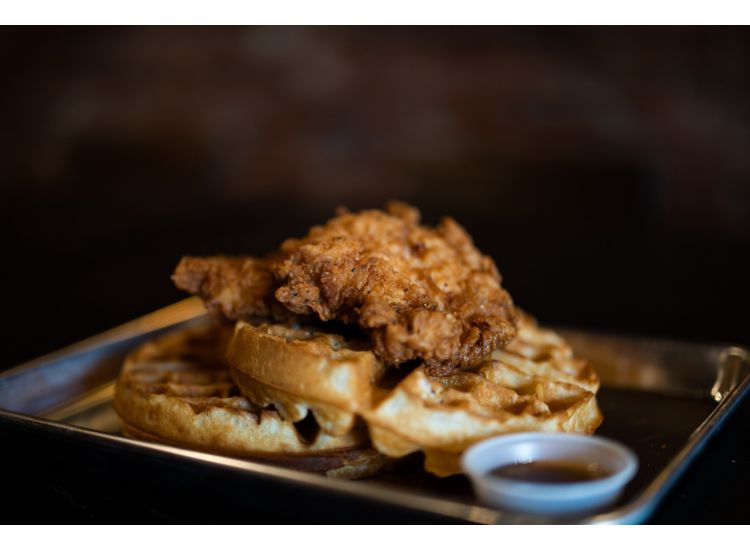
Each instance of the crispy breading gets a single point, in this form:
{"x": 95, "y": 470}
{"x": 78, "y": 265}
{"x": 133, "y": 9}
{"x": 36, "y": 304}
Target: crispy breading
{"x": 231, "y": 287}
{"x": 423, "y": 294}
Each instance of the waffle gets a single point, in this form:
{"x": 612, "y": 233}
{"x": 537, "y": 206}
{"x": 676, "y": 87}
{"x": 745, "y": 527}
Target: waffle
{"x": 300, "y": 370}
{"x": 178, "y": 390}
{"x": 534, "y": 384}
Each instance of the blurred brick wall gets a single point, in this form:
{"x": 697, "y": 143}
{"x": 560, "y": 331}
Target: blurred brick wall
{"x": 606, "y": 169}
{"x": 360, "y": 115}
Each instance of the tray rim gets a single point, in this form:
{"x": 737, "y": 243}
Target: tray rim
{"x": 191, "y": 309}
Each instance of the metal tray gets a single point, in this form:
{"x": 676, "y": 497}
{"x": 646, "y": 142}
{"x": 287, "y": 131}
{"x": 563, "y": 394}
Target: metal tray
{"x": 663, "y": 399}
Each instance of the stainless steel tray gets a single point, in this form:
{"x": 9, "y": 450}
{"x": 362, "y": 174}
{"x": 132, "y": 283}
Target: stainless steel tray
{"x": 663, "y": 399}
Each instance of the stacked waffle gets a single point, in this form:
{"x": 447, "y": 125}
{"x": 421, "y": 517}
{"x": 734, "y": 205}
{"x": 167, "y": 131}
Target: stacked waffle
{"x": 368, "y": 340}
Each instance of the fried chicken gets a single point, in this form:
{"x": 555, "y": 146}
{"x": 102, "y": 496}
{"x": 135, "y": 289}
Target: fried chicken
{"x": 422, "y": 294}
{"x": 231, "y": 287}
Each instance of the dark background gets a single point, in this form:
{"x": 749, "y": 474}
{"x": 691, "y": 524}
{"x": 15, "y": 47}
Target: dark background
{"x": 607, "y": 170}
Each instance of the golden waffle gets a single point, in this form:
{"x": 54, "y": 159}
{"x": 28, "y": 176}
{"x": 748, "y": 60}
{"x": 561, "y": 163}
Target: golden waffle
{"x": 303, "y": 369}
{"x": 178, "y": 390}
{"x": 534, "y": 384}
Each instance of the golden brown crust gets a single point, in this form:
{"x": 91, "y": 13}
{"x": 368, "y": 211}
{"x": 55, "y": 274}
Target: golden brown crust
{"x": 423, "y": 294}
{"x": 231, "y": 287}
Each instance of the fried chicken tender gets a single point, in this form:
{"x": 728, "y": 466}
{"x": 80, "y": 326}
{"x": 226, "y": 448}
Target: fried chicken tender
{"x": 422, "y": 294}
{"x": 231, "y": 287}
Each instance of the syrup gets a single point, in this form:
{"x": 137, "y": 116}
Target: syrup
{"x": 550, "y": 471}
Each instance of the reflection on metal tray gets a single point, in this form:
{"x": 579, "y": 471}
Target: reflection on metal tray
{"x": 663, "y": 399}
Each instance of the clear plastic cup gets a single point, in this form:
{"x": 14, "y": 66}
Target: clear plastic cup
{"x": 553, "y": 499}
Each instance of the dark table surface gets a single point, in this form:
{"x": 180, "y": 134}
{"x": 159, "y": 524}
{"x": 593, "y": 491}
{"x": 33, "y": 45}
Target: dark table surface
{"x": 56, "y": 479}
{"x": 639, "y": 285}
{"x": 712, "y": 491}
